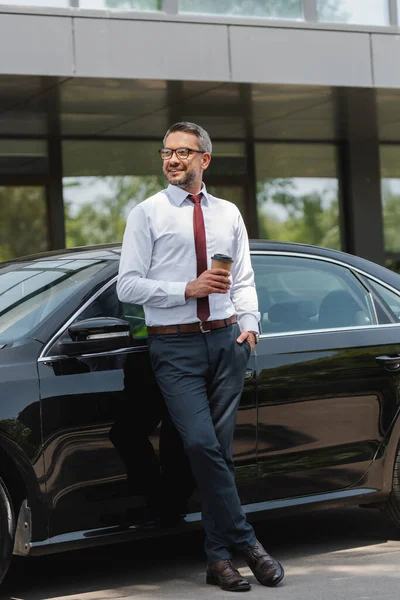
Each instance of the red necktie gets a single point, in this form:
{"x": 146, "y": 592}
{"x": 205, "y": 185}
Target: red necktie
{"x": 203, "y": 307}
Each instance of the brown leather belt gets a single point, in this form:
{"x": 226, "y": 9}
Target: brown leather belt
{"x": 199, "y": 327}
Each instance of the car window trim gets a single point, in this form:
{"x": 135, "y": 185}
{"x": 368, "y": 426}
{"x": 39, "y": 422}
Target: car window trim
{"x": 380, "y": 300}
{"x": 76, "y": 314}
{"x": 355, "y": 270}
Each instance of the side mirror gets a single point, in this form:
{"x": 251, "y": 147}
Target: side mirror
{"x": 99, "y": 334}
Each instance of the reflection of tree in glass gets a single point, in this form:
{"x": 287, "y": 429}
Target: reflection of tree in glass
{"x": 391, "y": 216}
{"x": 103, "y": 220}
{"x": 135, "y": 315}
{"x": 23, "y": 221}
{"x": 289, "y": 9}
{"x": 135, "y": 4}
{"x": 285, "y": 9}
{"x": 307, "y": 218}
{"x": 329, "y": 10}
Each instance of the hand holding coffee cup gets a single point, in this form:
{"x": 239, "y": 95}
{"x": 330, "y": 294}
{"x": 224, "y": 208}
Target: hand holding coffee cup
{"x": 211, "y": 283}
{"x": 221, "y": 261}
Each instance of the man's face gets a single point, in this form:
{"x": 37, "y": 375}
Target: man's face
{"x": 185, "y": 173}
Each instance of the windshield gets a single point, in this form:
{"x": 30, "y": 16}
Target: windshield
{"x": 30, "y": 291}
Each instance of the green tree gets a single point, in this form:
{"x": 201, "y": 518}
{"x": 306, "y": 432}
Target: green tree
{"x": 391, "y": 217}
{"x": 23, "y": 223}
{"x": 307, "y": 218}
{"x": 103, "y": 219}
{"x": 267, "y": 191}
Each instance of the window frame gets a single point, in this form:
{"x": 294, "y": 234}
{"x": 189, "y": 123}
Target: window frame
{"x": 360, "y": 276}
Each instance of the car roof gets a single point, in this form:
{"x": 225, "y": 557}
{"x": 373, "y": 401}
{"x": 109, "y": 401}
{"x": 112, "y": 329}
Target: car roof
{"x": 357, "y": 262}
{"x": 100, "y": 251}
{"x": 112, "y": 252}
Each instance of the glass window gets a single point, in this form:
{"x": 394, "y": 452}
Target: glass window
{"x": 31, "y": 291}
{"x": 23, "y": 222}
{"x": 102, "y": 182}
{"x": 108, "y": 305}
{"x": 358, "y": 12}
{"x": 298, "y": 193}
{"x": 300, "y": 294}
{"x": 228, "y": 160}
{"x": 226, "y": 176}
{"x": 390, "y": 189}
{"x": 289, "y": 9}
{"x": 52, "y": 3}
{"x": 142, "y": 5}
{"x": 387, "y": 303}
{"x": 28, "y": 157}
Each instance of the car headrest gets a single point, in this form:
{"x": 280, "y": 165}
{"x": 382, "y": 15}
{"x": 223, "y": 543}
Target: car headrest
{"x": 340, "y": 309}
{"x": 292, "y": 311}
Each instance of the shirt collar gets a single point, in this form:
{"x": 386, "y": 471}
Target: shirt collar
{"x": 178, "y": 195}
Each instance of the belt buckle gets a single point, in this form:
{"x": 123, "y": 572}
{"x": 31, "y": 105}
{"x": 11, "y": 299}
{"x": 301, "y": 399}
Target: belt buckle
{"x": 201, "y": 327}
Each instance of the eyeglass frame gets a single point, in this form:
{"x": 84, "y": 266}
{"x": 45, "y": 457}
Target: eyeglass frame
{"x": 189, "y": 150}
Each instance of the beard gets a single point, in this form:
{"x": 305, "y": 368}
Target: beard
{"x": 188, "y": 179}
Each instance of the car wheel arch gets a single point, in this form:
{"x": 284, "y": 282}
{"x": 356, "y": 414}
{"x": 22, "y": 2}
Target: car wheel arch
{"x": 391, "y": 506}
{"x": 18, "y": 476}
{"x": 389, "y": 450}
{"x": 7, "y": 530}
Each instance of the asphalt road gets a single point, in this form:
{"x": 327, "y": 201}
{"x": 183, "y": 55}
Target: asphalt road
{"x": 347, "y": 554}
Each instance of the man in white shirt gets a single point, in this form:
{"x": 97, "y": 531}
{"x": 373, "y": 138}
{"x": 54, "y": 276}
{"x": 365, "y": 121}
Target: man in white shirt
{"x": 202, "y": 324}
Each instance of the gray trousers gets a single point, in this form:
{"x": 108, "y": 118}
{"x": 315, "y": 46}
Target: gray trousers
{"x": 201, "y": 377}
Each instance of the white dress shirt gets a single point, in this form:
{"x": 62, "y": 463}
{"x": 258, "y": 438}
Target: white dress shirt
{"x": 158, "y": 259}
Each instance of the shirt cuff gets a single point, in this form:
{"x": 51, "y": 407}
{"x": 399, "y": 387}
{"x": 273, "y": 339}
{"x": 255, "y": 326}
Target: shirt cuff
{"x": 176, "y": 293}
{"x": 248, "y": 323}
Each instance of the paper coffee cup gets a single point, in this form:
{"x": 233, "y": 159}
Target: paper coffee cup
{"x": 221, "y": 261}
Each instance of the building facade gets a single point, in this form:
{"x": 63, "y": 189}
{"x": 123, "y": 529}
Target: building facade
{"x": 301, "y": 99}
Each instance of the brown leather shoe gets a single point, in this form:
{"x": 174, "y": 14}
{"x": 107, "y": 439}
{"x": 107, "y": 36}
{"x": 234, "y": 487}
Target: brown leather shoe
{"x": 225, "y": 574}
{"x": 266, "y": 569}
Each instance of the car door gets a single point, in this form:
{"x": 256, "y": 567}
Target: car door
{"x": 98, "y": 411}
{"x": 324, "y": 402}
{"x": 112, "y": 456}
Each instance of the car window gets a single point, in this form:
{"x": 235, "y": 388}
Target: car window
{"x": 31, "y": 290}
{"x": 387, "y": 303}
{"x": 299, "y": 294}
{"x": 107, "y": 304}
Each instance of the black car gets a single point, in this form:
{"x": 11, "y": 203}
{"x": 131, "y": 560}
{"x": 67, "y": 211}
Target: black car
{"x": 88, "y": 454}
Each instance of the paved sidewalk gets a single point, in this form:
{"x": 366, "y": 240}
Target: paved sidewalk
{"x": 351, "y": 553}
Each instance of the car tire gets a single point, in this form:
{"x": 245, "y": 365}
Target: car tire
{"x": 391, "y": 506}
{"x": 7, "y": 530}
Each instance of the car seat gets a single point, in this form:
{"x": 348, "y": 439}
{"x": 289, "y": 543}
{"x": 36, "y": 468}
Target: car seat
{"x": 292, "y": 315}
{"x": 340, "y": 309}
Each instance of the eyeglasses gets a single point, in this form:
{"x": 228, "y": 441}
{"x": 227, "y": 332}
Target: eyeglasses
{"x": 181, "y": 153}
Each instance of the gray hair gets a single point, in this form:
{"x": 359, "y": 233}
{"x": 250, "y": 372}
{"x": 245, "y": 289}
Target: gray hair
{"x": 204, "y": 139}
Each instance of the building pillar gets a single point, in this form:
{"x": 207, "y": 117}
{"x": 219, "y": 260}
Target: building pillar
{"x": 361, "y": 206}
{"x": 55, "y": 201}
{"x": 246, "y": 104}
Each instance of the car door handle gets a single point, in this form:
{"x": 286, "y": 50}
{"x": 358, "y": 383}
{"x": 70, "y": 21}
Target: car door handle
{"x": 248, "y": 376}
{"x": 391, "y": 363}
